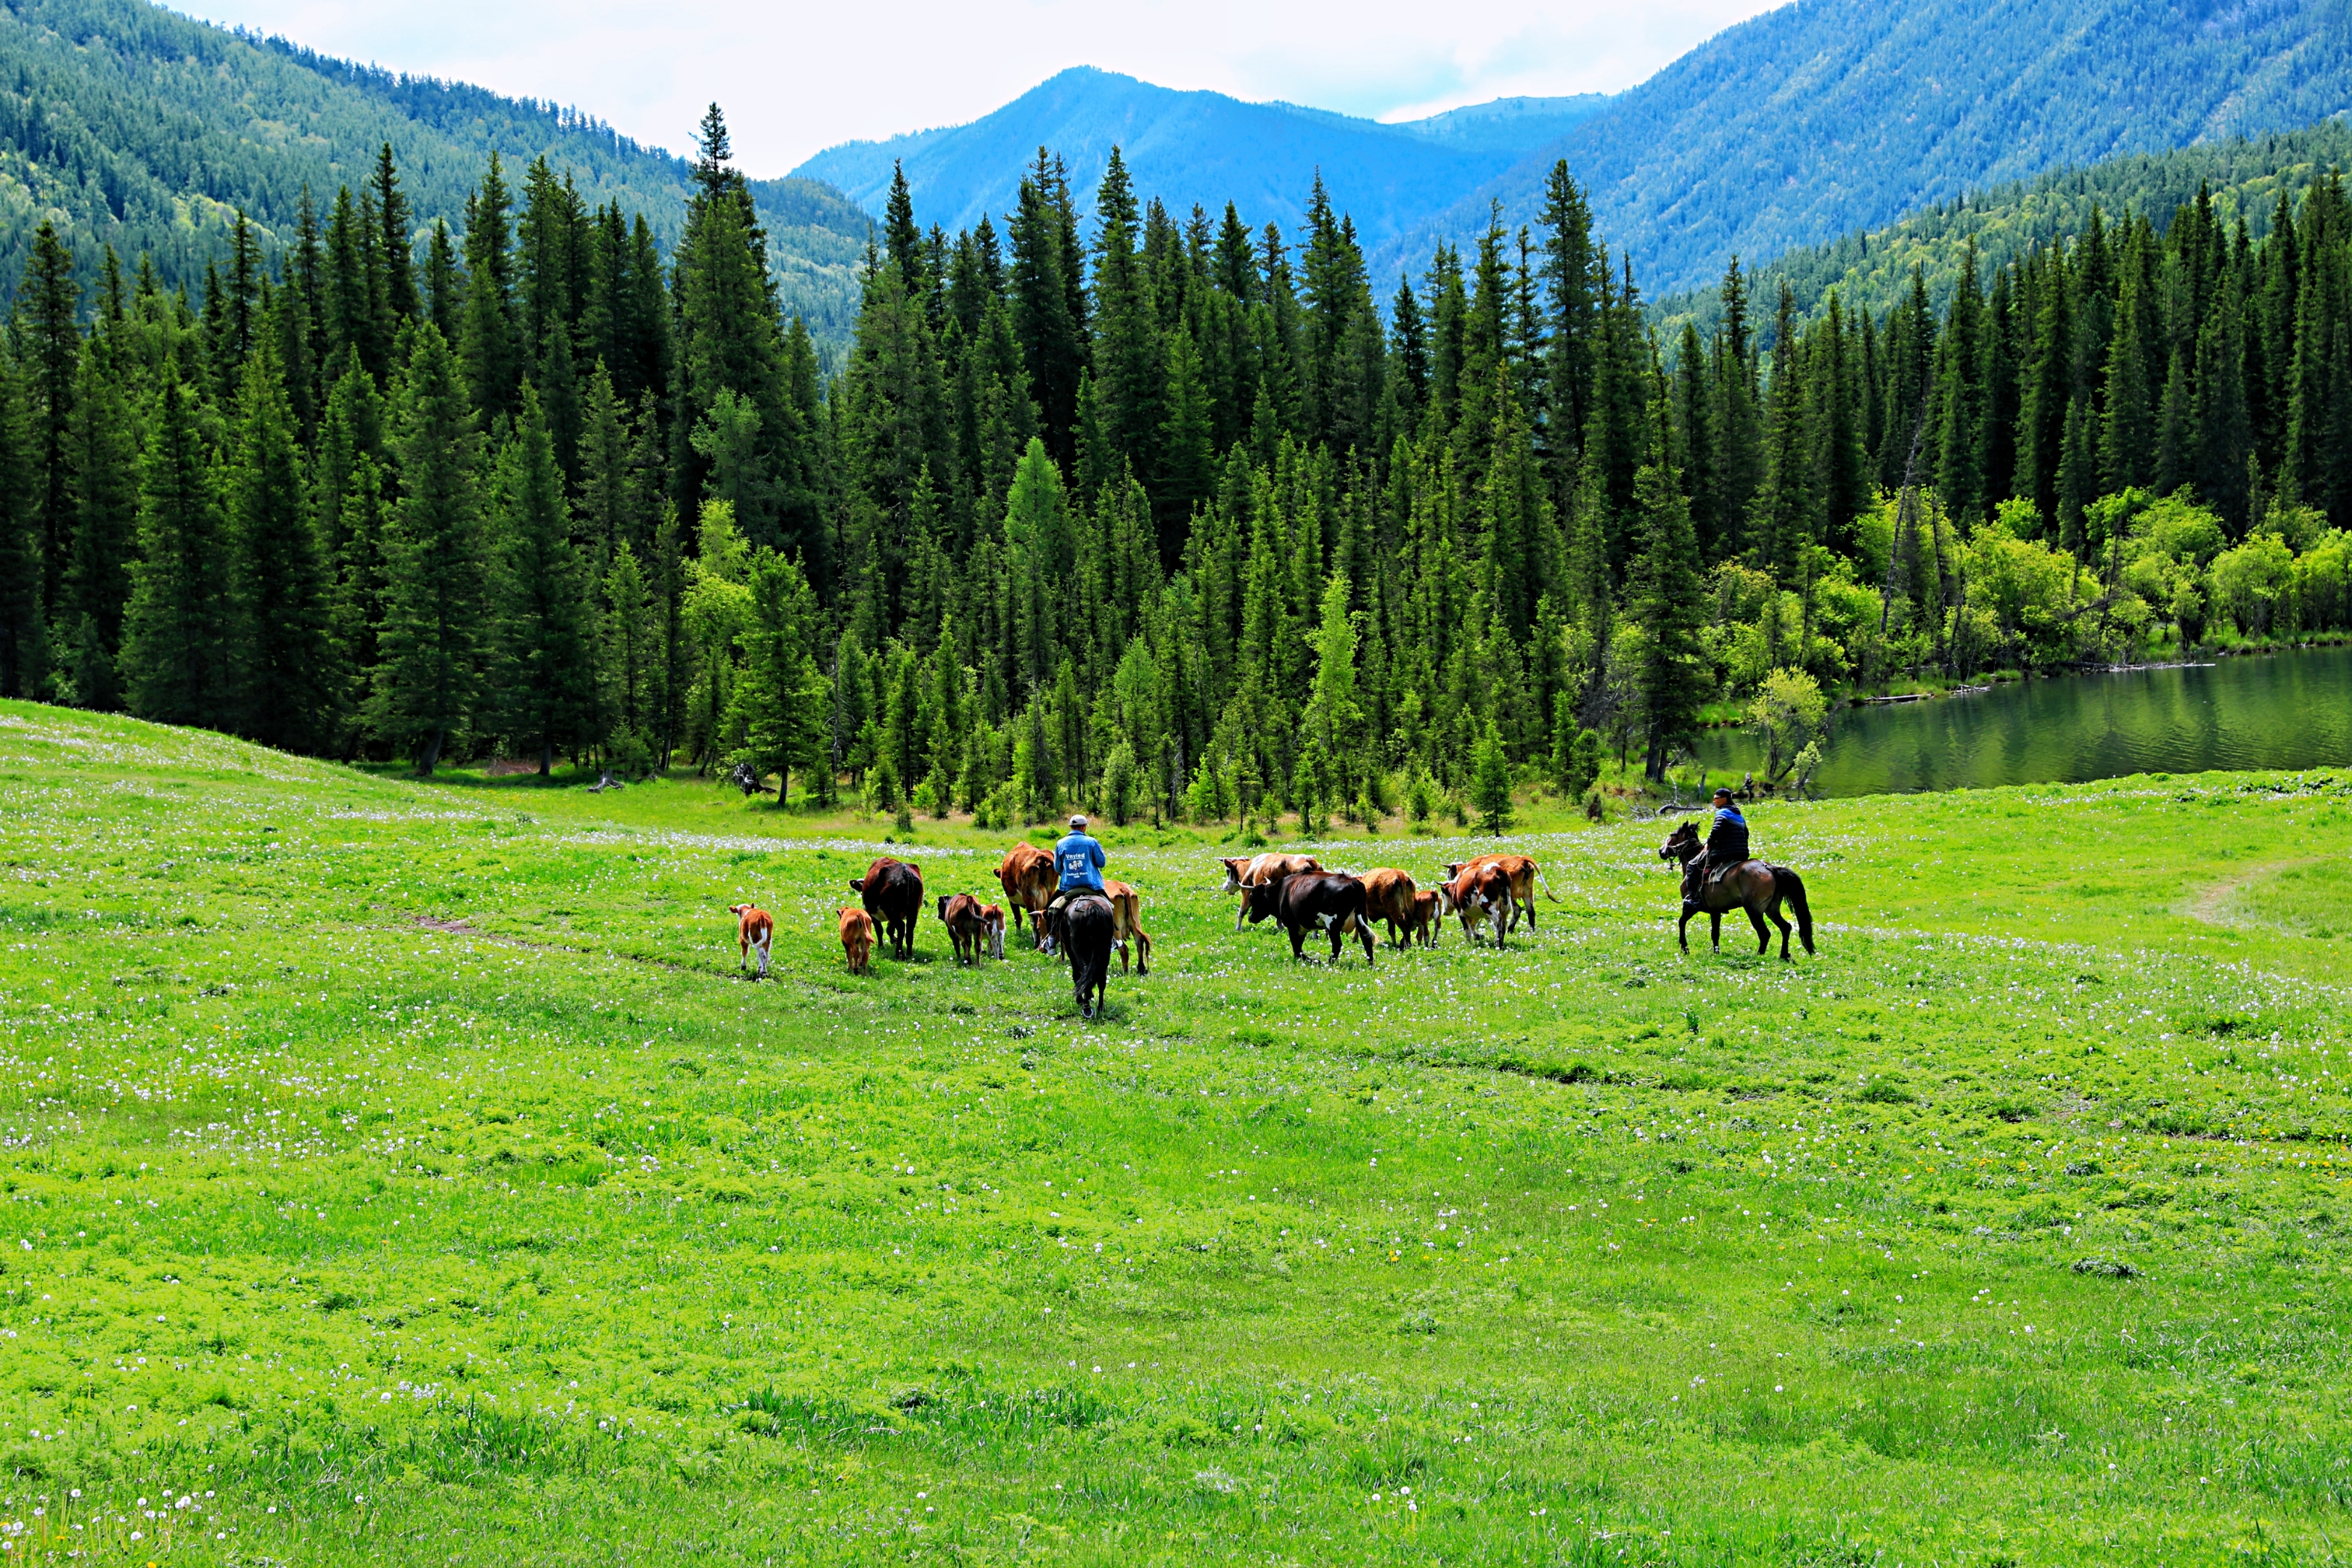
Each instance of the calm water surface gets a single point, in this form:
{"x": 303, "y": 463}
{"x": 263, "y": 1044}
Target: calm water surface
{"x": 2285, "y": 711}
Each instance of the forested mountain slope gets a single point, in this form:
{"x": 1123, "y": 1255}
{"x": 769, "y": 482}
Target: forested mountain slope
{"x": 1202, "y": 147}
{"x": 1872, "y": 270}
{"x": 126, "y": 124}
{"x": 1823, "y": 117}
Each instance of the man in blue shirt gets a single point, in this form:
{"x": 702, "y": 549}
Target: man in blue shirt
{"x": 1726, "y": 840}
{"x": 1078, "y": 862}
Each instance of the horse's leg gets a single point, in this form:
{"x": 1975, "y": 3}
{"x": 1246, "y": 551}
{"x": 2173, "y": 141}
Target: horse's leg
{"x": 1714, "y": 928}
{"x": 1682, "y": 928}
{"x": 1763, "y": 932}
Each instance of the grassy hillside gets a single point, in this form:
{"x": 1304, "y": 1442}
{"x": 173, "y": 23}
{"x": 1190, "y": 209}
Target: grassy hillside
{"x": 127, "y": 124}
{"x": 396, "y": 1173}
{"x": 1815, "y": 120}
{"x": 1873, "y": 269}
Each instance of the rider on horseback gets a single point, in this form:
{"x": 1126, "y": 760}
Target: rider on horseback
{"x": 1726, "y": 843}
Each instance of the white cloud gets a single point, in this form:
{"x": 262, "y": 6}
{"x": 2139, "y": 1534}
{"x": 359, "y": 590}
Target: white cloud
{"x": 796, "y": 79}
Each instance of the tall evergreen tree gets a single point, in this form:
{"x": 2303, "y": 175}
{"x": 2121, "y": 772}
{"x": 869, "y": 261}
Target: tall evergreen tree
{"x": 435, "y": 632}
{"x": 280, "y": 596}
{"x": 175, "y": 630}
{"x": 545, "y": 673}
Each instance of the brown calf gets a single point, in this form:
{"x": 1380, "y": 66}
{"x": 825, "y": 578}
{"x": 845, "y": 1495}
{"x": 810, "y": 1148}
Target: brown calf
{"x": 1388, "y": 896}
{"x": 1420, "y": 921}
{"x": 754, "y": 932}
{"x": 1127, "y": 920}
{"x": 856, "y": 938}
{"x": 992, "y": 921}
{"x": 967, "y": 932}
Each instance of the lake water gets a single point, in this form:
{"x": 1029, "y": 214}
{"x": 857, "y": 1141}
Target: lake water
{"x": 2283, "y": 711}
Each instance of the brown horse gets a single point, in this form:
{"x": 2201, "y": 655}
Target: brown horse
{"x": 1752, "y": 886}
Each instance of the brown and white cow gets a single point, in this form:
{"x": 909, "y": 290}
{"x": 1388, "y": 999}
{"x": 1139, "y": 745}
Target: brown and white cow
{"x": 1246, "y": 875}
{"x": 1027, "y": 874}
{"x": 967, "y": 928}
{"x": 1127, "y": 920}
{"x": 1524, "y": 876}
{"x": 856, "y": 938}
{"x": 1481, "y": 895}
{"x": 1388, "y": 896}
{"x": 755, "y": 931}
{"x": 992, "y": 922}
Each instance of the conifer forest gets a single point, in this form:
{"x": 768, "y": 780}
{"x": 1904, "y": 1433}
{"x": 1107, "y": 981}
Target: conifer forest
{"x": 1157, "y": 512}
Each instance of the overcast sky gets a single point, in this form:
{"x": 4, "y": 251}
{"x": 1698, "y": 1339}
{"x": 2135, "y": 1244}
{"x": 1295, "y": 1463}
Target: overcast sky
{"x": 795, "y": 78}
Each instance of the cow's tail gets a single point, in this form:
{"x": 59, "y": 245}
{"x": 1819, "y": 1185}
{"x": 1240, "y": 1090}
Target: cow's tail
{"x": 1554, "y": 897}
{"x": 1793, "y": 889}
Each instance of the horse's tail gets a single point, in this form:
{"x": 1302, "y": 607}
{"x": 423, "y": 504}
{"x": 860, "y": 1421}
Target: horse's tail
{"x": 1793, "y": 887}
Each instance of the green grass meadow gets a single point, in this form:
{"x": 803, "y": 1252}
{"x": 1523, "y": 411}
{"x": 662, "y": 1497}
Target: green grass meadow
{"x": 401, "y": 1172}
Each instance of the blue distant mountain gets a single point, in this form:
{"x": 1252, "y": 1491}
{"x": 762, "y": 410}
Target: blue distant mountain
{"x": 1827, "y": 116}
{"x": 1803, "y": 124}
{"x": 1204, "y": 148}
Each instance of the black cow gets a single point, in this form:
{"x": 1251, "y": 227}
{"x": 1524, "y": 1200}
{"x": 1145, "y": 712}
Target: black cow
{"x": 1082, "y": 929}
{"x": 893, "y": 892}
{"x": 1321, "y": 900}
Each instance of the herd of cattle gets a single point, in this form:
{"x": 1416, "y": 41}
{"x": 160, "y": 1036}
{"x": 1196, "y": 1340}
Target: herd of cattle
{"x": 1489, "y": 894}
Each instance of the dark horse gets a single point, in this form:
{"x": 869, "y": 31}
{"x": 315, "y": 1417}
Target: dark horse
{"x": 1752, "y": 886}
{"x": 1081, "y": 929}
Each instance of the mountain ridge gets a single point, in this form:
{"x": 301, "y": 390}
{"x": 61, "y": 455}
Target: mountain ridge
{"x": 1188, "y": 146}
{"x": 1846, "y": 114}
{"x": 129, "y": 124}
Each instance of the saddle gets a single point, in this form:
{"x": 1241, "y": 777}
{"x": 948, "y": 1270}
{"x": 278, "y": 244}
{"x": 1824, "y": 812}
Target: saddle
{"x": 1701, "y": 881}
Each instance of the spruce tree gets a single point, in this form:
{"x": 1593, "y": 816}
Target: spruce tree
{"x": 435, "y": 631}
{"x": 24, "y": 630}
{"x": 546, "y": 670}
{"x": 395, "y": 244}
{"x": 279, "y": 598}
{"x": 104, "y": 456}
{"x": 1664, "y": 601}
{"x": 48, "y": 344}
{"x": 493, "y": 356}
{"x": 175, "y": 630}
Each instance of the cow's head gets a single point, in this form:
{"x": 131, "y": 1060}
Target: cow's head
{"x": 858, "y": 885}
{"x": 1233, "y": 869}
{"x": 1264, "y": 898}
{"x": 943, "y": 908}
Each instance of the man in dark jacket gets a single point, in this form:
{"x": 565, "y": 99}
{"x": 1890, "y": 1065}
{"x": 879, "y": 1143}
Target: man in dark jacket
{"x": 1726, "y": 841}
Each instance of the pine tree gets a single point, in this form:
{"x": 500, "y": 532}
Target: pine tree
{"x": 1662, "y": 601}
{"x": 436, "y": 630}
{"x": 634, "y": 665}
{"x": 50, "y": 349}
{"x": 545, "y": 680}
{"x": 104, "y": 458}
{"x": 395, "y": 246}
{"x": 493, "y": 356}
{"x": 783, "y": 691}
{"x": 24, "y": 632}
{"x": 175, "y": 630}
{"x": 1490, "y": 780}
{"x": 280, "y": 596}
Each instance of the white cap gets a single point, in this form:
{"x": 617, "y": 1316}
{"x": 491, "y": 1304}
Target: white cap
{"x": 1078, "y": 822}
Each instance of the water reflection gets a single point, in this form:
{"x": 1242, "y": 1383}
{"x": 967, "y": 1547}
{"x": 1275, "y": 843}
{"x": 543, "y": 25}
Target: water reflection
{"x": 2288, "y": 710}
